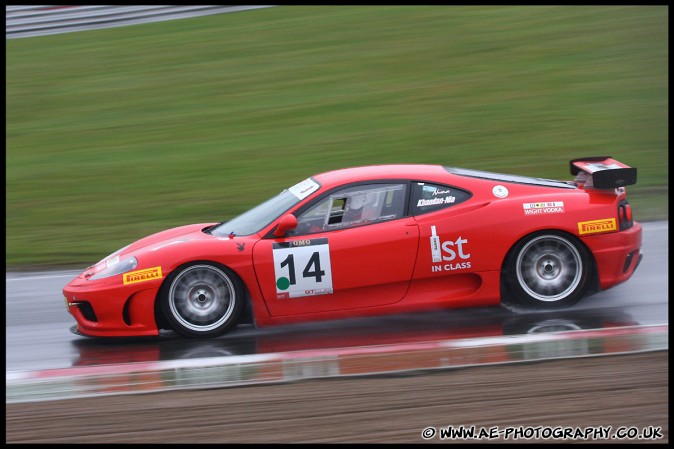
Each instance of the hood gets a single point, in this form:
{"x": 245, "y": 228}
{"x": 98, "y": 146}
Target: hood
{"x": 165, "y": 237}
{"x": 154, "y": 241}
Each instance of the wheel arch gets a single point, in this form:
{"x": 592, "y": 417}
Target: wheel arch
{"x": 593, "y": 274}
{"x": 246, "y": 316}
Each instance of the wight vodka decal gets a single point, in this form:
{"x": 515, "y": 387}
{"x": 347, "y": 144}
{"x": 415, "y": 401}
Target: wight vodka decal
{"x": 543, "y": 207}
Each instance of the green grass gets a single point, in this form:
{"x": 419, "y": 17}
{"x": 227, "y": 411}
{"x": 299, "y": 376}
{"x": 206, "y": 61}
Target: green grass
{"x": 114, "y": 134}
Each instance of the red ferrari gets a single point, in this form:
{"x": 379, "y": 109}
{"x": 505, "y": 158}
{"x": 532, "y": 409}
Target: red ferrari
{"x": 369, "y": 241}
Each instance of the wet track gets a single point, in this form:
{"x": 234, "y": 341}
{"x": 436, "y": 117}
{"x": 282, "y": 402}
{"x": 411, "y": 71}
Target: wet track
{"x": 38, "y": 336}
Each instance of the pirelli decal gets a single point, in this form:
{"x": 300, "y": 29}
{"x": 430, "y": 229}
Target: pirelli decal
{"x": 142, "y": 275}
{"x": 594, "y": 226}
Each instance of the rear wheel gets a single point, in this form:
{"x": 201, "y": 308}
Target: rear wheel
{"x": 547, "y": 270}
{"x": 202, "y": 300}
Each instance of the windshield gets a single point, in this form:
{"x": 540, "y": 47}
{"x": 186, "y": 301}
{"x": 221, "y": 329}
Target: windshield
{"x": 261, "y": 215}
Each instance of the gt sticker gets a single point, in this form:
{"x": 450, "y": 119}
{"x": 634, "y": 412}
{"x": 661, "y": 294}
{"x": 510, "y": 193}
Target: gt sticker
{"x": 594, "y": 226}
{"x": 142, "y": 275}
{"x": 302, "y": 268}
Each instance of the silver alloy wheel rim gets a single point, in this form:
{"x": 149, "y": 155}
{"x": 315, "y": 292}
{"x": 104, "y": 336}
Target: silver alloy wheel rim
{"x": 549, "y": 268}
{"x": 202, "y": 298}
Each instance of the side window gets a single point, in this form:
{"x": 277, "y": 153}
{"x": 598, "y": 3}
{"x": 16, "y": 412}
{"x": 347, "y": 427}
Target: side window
{"x": 354, "y": 206}
{"x": 431, "y": 197}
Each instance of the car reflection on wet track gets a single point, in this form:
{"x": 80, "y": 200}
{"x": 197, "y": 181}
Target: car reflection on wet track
{"x": 399, "y": 329}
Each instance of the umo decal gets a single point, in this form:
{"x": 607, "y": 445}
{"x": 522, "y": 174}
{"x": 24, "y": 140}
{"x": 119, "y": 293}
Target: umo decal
{"x": 594, "y": 226}
{"x": 142, "y": 275}
{"x": 448, "y": 252}
{"x": 500, "y": 191}
{"x": 547, "y": 207}
{"x": 302, "y": 268}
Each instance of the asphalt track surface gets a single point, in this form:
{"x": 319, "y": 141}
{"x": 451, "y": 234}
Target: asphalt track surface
{"x": 621, "y": 391}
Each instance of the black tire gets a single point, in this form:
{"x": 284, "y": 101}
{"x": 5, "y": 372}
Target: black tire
{"x": 202, "y": 300}
{"x": 547, "y": 270}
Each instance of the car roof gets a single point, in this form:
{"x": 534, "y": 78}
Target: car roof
{"x": 385, "y": 171}
{"x": 427, "y": 172}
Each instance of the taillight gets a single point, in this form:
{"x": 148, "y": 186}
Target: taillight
{"x": 625, "y": 215}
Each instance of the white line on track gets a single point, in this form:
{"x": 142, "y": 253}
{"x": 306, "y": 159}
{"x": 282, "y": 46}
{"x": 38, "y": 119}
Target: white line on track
{"x": 32, "y": 278}
{"x": 655, "y": 227}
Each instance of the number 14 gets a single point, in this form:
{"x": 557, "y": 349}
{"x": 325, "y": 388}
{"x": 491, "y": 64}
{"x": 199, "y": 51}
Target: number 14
{"x": 314, "y": 261}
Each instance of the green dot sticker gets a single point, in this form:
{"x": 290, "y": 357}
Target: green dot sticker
{"x": 283, "y": 283}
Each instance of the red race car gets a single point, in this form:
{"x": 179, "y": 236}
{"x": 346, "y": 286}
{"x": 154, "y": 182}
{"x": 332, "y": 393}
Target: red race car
{"x": 369, "y": 241}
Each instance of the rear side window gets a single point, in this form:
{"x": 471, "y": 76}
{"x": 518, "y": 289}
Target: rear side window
{"x": 428, "y": 197}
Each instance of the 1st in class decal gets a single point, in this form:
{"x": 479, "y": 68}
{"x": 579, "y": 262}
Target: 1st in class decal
{"x": 302, "y": 268}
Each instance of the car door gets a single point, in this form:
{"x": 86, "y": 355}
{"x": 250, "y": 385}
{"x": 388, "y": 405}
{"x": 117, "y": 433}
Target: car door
{"x": 448, "y": 248}
{"x": 352, "y": 248}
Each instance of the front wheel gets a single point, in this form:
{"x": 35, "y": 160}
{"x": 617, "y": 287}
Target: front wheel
{"x": 202, "y": 300}
{"x": 547, "y": 270}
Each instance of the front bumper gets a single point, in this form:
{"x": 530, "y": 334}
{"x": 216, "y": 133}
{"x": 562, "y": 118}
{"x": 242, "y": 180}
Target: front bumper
{"x": 109, "y": 309}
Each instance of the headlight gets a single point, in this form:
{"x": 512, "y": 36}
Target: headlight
{"x": 125, "y": 265}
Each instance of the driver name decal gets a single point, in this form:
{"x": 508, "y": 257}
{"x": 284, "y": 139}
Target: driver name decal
{"x": 302, "y": 268}
{"x": 436, "y": 201}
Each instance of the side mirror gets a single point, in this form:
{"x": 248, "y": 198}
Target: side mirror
{"x": 287, "y": 223}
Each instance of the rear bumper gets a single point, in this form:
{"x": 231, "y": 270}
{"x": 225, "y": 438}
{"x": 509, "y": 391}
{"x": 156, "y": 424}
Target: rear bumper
{"x": 617, "y": 255}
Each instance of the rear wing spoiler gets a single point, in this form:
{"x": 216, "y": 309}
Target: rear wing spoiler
{"x": 602, "y": 172}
